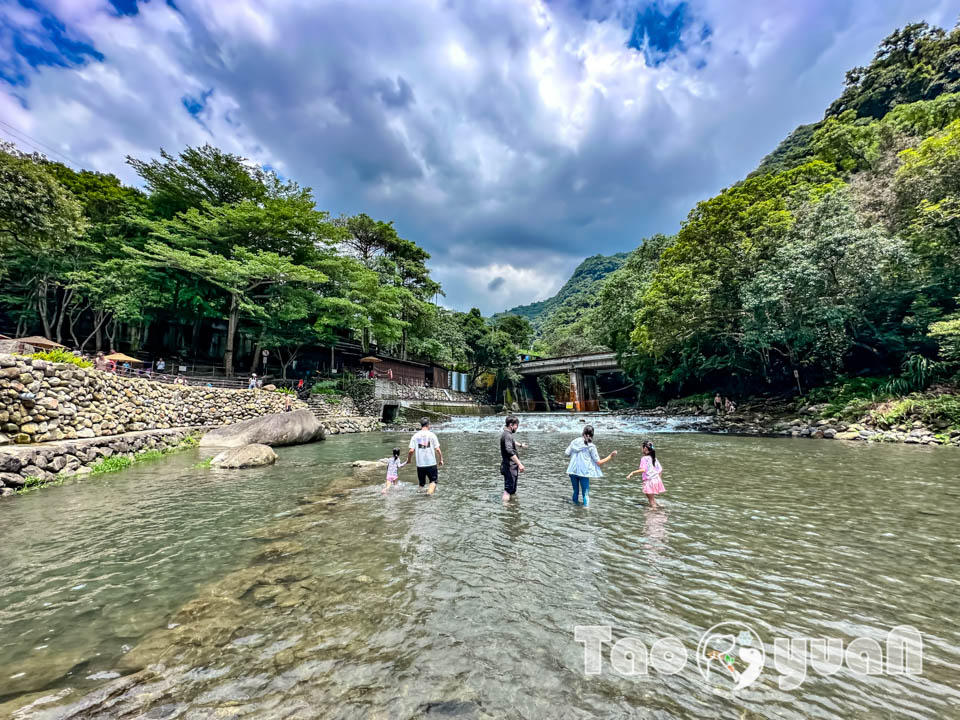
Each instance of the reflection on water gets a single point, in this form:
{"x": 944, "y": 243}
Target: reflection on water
{"x": 301, "y": 591}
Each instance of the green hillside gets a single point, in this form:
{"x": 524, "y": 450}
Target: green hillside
{"x": 838, "y": 256}
{"x": 555, "y": 319}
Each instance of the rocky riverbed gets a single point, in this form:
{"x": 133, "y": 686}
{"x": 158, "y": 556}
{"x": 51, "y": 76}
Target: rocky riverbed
{"x": 808, "y": 421}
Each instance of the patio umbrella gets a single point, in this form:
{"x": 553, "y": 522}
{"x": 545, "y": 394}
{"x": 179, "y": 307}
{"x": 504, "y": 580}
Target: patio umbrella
{"x": 121, "y": 358}
{"x": 38, "y": 341}
{"x": 370, "y": 359}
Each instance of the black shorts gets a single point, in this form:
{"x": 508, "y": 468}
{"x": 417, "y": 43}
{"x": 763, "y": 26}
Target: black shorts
{"x": 424, "y": 473}
{"x": 510, "y": 474}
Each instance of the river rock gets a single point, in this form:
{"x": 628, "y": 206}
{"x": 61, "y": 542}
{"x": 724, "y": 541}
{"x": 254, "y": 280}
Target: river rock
{"x": 253, "y": 455}
{"x": 10, "y": 463}
{"x": 11, "y": 480}
{"x": 289, "y": 428}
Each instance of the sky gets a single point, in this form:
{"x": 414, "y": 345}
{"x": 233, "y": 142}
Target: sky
{"x": 510, "y": 139}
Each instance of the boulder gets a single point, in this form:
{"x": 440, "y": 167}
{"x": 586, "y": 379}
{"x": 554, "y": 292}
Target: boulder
{"x": 368, "y": 464}
{"x": 290, "y": 428}
{"x": 253, "y": 455}
{"x": 10, "y": 463}
{"x": 12, "y": 481}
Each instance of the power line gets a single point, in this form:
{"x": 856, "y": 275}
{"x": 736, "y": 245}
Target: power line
{"x": 34, "y": 143}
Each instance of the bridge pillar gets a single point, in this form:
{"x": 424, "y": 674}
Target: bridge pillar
{"x": 583, "y": 391}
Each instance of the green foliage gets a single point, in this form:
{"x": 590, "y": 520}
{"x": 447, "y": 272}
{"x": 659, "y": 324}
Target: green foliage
{"x": 561, "y": 322}
{"x": 516, "y": 327}
{"x": 286, "y": 391}
{"x": 795, "y": 150}
{"x": 931, "y": 410}
{"x": 947, "y": 335}
{"x": 114, "y": 463}
{"x": 214, "y": 238}
{"x": 914, "y": 63}
{"x": 917, "y": 374}
{"x": 839, "y": 255}
{"x": 325, "y": 387}
{"x": 59, "y": 355}
{"x": 695, "y": 400}
{"x": 848, "y": 398}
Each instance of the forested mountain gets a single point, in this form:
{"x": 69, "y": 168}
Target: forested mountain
{"x": 556, "y": 319}
{"x": 839, "y": 255}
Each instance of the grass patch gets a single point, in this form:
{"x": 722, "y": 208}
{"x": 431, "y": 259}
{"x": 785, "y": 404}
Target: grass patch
{"x": 203, "y": 464}
{"x": 110, "y": 464}
{"x": 115, "y": 463}
{"x": 34, "y": 483}
{"x": 62, "y": 356}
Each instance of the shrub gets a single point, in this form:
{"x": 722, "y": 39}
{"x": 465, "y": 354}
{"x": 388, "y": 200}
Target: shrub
{"x": 697, "y": 400}
{"x": 59, "y": 355}
{"x": 936, "y": 410}
{"x": 325, "y": 387}
{"x": 286, "y": 391}
{"x": 849, "y": 398}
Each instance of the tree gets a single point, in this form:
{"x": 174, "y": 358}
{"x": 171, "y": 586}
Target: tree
{"x": 198, "y": 176}
{"x": 41, "y": 228}
{"x": 516, "y": 327}
{"x": 827, "y": 289}
{"x": 916, "y": 62}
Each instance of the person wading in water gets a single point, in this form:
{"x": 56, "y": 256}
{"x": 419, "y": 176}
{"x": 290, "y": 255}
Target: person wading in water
{"x": 510, "y": 465}
{"x": 427, "y": 448}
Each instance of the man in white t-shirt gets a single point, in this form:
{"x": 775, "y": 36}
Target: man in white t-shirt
{"x": 427, "y": 449}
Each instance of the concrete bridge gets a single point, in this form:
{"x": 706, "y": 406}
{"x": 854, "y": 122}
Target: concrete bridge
{"x": 583, "y": 369}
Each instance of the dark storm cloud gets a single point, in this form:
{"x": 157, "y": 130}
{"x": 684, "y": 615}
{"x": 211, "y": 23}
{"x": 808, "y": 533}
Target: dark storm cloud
{"x": 510, "y": 139}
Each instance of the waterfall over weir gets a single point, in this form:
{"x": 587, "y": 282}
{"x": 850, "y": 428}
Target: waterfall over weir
{"x": 573, "y": 422}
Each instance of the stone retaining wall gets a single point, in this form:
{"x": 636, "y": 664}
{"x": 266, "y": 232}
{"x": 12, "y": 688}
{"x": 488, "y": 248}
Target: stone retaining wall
{"x": 76, "y": 457}
{"x": 42, "y": 401}
{"x": 388, "y": 390}
{"x": 340, "y": 425}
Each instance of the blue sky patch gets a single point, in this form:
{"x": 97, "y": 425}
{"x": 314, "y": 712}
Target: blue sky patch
{"x": 125, "y": 7}
{"x": 658, "y": 31}
{"x": 51, "y": 46}
{"x": 196, "y": 105}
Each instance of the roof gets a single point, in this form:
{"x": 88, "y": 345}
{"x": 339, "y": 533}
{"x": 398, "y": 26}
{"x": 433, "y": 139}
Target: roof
{"x": 38, "y": 341}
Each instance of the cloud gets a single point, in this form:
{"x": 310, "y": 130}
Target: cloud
{"x": 496, "y": 284}
{"x": 510, "y": 139}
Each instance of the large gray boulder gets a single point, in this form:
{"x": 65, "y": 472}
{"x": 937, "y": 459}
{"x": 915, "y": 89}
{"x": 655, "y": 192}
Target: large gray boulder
{"x": 247, "y": 456}
{"x": 288, "y": 428}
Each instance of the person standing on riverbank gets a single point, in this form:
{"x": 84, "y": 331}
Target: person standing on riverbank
{"x": 426, "y": 446}
{"x": 584, "y": 464}
{"x": 510, "y": 465}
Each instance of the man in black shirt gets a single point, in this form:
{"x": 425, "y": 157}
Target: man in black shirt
{"x": 510, "y": 465}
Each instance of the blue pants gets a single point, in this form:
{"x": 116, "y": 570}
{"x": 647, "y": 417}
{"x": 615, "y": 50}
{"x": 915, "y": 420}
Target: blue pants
{"x": 580, "y": 484}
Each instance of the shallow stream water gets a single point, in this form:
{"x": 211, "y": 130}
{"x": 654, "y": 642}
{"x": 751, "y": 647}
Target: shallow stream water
{"x": 299, "y": 590}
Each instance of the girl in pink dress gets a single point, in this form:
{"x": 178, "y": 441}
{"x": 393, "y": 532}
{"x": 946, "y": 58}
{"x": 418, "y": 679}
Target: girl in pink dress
{"x": 651, "y": 471}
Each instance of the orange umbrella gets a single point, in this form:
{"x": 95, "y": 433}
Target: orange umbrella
{"x": 120, "y": 358}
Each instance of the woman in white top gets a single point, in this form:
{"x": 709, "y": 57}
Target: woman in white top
{"x": 584, "y": 464}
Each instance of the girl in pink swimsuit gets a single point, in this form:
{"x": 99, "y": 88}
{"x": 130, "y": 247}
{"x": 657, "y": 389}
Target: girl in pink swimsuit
{"x": 651, "y": 470}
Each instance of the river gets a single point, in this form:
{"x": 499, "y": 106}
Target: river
{"x": 171, "y": 590}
